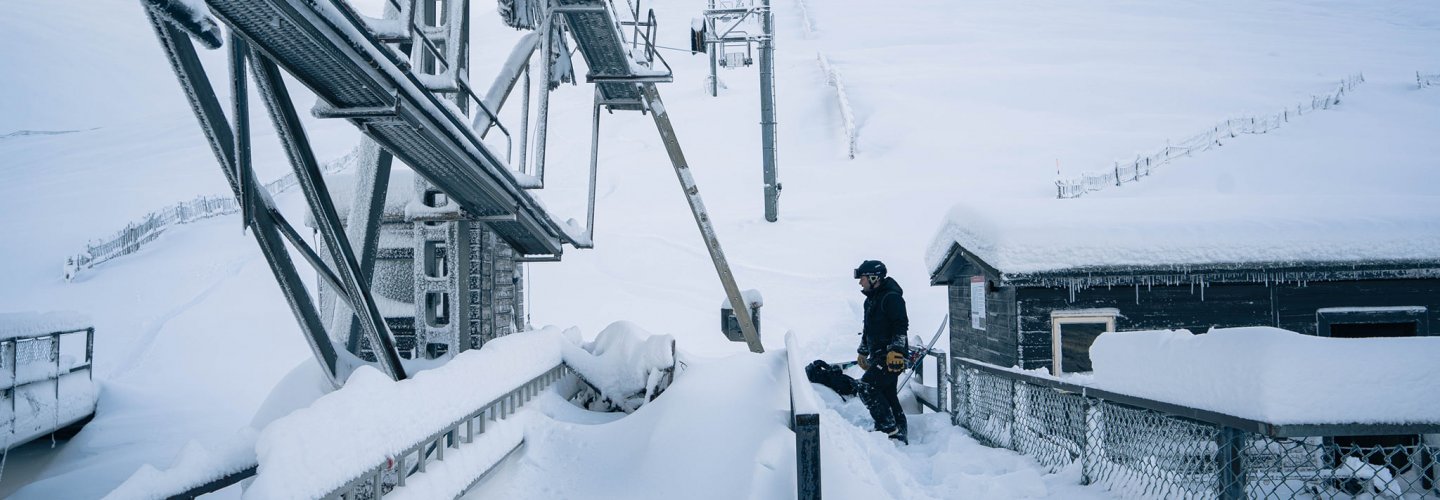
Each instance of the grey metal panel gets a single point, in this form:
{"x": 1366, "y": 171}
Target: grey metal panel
{"x": 337, "y": 65}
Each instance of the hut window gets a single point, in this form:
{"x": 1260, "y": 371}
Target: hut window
{"x": 1362, "y": 322}
{"x": 1072, "y": 331}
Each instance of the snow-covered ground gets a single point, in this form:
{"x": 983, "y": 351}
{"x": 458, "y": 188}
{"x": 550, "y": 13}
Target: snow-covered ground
{"x": 953, "y": 101}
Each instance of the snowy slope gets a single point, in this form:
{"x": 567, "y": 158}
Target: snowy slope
{"x": 954, "y": 101}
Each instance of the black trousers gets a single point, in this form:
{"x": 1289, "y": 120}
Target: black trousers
{"x": 879, "y": 392}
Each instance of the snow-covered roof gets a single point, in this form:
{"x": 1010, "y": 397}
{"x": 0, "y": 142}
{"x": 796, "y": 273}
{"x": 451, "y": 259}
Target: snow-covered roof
{"x": 1027, "y": 236}
{"x": 1274, "y": 375}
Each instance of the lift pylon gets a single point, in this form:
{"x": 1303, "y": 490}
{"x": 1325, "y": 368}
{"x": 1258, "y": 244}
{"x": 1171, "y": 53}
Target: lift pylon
{"x": 625, "y": 83}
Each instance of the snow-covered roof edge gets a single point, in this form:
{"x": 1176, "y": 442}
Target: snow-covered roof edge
{"x": 1036, "y": 239}
{"x": 1257, "y": 271}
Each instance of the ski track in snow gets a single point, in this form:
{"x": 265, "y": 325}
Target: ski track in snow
{"x": 145, "y": 340}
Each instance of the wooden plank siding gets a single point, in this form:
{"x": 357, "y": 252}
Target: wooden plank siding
{"x": 1289, "y": 306}
{"x": 1295, "y": 306}
{"x": 1018, "y": 312}
{"x": 997, "y": 343}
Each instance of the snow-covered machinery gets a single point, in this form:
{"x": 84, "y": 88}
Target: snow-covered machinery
{"x": 45, "y": 361}
{"x": 403, "y": 79}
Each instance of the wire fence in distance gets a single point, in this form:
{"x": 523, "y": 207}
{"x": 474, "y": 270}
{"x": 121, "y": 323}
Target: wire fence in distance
{"x": 1141, "y": 166}
{"x": 847, "y": 114}
{"x": 151, "y": 225}
{"x": 1423, "y": 80}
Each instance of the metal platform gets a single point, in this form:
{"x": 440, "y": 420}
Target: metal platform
{"x": 327, "y": 47}
{"x": 613, "y": 68}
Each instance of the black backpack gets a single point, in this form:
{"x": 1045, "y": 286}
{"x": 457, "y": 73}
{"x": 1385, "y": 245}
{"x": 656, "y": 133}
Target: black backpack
{"x": 830, "y": 376}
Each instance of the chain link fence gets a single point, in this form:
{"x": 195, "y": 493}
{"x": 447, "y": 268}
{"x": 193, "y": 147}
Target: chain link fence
{"x": 1147, "y": 449}
{"x": 150, "y": 226}
{"x": 1141, "y": 166}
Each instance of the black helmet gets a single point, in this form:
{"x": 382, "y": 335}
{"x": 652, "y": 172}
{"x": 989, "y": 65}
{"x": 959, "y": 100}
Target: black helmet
{"x": 870, "y": 268}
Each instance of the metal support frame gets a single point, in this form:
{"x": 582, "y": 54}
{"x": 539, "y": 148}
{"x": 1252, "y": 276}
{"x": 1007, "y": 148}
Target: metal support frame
{"x": 702, "y": 218}
{"x": 594, "y": 166}
{"x": 717, "y": 39}
{"x": 767, "y": 112}
{"x": 231, "y": 147}
{"x": 542, "y": 115}
{"x": 312, "y": 183}
{"x": 372, "y": 180}
{"x": 442, "y": 289}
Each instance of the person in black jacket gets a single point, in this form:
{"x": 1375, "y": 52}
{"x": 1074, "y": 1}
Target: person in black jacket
{"x": 883, "y": 346}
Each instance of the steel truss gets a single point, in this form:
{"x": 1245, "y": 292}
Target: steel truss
{"x": 344, "y": 58}
{"x": 230, "y": 141}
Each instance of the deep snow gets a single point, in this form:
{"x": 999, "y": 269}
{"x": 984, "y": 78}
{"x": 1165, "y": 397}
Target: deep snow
{"x": 973, "y": 100}
{"x": 1285, "y": 384}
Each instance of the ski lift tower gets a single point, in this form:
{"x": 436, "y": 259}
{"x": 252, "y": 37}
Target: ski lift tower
{"x": 404, "y": 81}
{"x": 730, "y": 35}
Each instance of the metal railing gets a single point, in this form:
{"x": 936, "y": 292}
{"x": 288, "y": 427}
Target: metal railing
{"x": 935, "y": 396}
{"x": 805, "y": 422}
{"x": 847, "y": 114}
{"x": 393, "y": 472}
{"x": 1141, "y": 448}
{"x": 1133, "y": 171}
{"x": 29, "y": 362}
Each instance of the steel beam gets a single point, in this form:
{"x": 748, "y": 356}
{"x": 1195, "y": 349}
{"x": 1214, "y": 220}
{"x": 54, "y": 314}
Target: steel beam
{"x": 372, "y": 180}
{"x": 767, "y": 112}
{"x": 312, "y": 183}
{"x": 542, "y": 116}
{"x": 702, "y": 218}
{"x": 191, "y": 75}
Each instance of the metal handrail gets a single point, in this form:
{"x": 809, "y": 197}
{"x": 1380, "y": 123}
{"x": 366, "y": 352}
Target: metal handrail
{"x": 54, "y": 337}
{"x": 805, "y": 422}
{"x": 453, "y": 435}
{"x": 460, "y": 83}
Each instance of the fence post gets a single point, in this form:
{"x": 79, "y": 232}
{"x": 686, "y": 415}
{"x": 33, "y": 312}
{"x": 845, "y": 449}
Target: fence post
{"x": 1014, "y": 412}
{"x": 941, "y": 395}
{"x": 969, "y": 395}
{"x": 1090, "y": 441}
{"x": 1230, "y": 463}
{"x": 807, "y": 456}
{"x": 1117, "y": 173}
{"x": 14, "y": 381}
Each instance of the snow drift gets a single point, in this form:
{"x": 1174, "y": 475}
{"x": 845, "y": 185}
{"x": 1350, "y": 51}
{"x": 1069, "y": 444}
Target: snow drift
{"x": 1275, "y": 375}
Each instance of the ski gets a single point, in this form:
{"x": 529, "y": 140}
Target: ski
{"x": 916, "y": 356}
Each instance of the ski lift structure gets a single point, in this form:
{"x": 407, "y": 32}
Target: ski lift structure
{"x": 469, "y": 218}
{"x": 733, "y": 33}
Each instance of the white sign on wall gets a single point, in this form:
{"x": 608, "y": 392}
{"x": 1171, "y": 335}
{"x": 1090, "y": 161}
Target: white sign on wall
{"x": 977, "y": 302}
